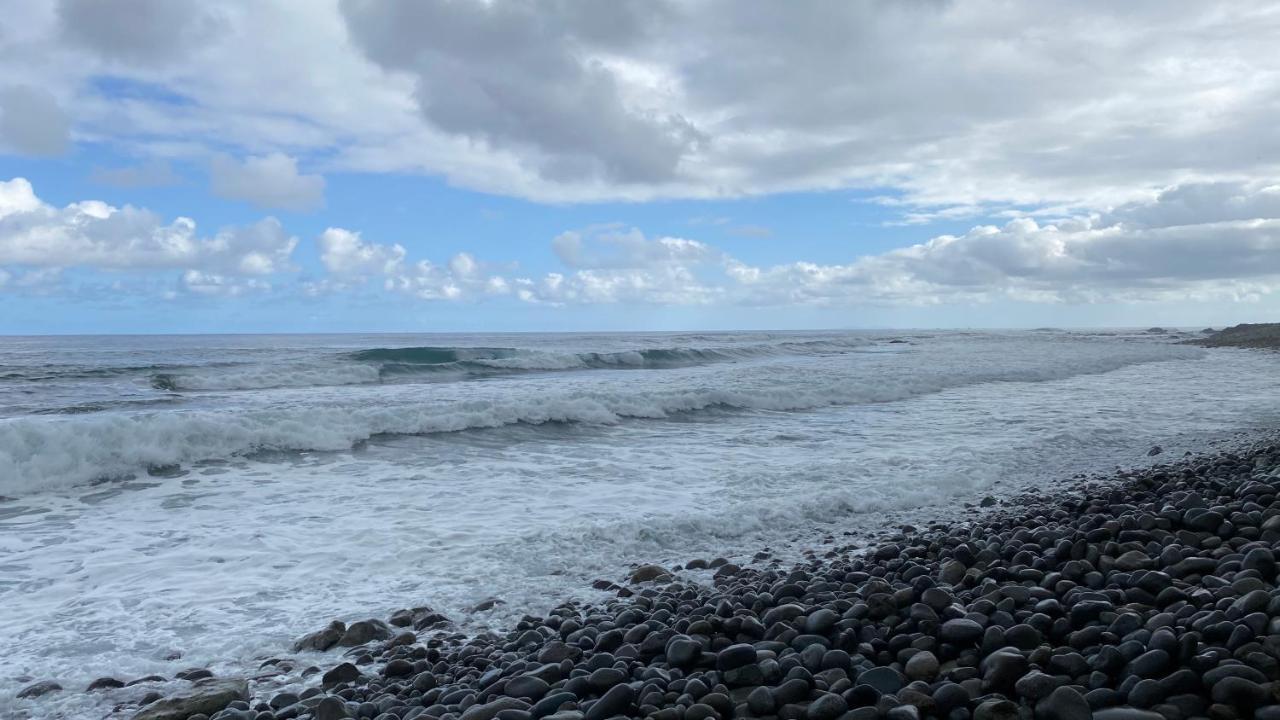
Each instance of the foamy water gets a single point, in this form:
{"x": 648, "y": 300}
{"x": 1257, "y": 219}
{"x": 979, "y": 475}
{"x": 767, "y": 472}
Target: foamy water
{"x": 218, "y": 497}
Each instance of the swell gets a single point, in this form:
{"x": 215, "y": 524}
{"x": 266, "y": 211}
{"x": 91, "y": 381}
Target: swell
{"x": 440, "y": 363}
{"x": 46, "y": 453}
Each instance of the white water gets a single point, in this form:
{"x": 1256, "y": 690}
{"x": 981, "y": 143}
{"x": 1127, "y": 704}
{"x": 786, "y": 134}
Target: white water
{"x": 306, "y": 495}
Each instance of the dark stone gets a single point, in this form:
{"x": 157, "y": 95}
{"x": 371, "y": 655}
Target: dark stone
{"x": 490, "y": 710}
{"x": 885, "y": 680}
{"x": 1126, "y": 713}
{"x": 398, "y": 668}
{"x": 614, "y": 702}
{"x": 1064, "y": 703}
{"x": 364, "y": 631}
{"x": 1240, "y": 692}
{"x": 203, "y": 699}
{"x": 330, "y": 708}
{"x": 35, "y": 690}
{"x": 735, "y": 656}
{"x": 344, "y": 673}
{"x": 827, "y": 707}
{"x": 960, "y": 631}
{"x": 321, "y": 640}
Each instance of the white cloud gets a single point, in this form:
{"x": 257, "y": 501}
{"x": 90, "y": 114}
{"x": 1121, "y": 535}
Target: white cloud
{"x": 270, "y": 181}
{"x": 344, "y": 253}
{"x": 96, "y": 235}
{"x": 1142, "y": 251}
{"x": 32, "y": 122}
{"x": 1094, "y": 258}
{"x": 608, "y": 247}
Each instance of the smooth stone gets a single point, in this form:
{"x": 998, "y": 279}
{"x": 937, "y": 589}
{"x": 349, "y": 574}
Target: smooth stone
{"x": 490, "y": 710}
{"x": 330, "y": 708}
{"x": 885, "y": 680}
{"x": 647, "y": 573}
{"x": 614, "y": 702}
{"x": 204, "y": 699}
{"x": 364, "y": 631}
{"x": 1240, "y": 692}
{"x": 735, "y": 656}
{"x": 344, "y": 673}
{"x": 996, "y": 710}
{"x": 1064, "y": 703}
{"x": 35, "y": 690}
{"x": 1035, "y": 685}
{"x": 827, "y": 707}
{"x": 1126, "y": 713}
{"x": 321, "y": 640}
{"x": 960, "y": 631}
{"x": 922, "y": 666}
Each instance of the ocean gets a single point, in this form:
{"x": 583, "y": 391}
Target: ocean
{"x": 180, "y": 501}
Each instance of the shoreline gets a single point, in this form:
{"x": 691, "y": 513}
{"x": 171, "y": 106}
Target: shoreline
{"x": 890, "y": 628}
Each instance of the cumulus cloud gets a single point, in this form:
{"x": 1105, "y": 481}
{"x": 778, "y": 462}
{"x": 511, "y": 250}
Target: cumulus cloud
{"x": 344, "y": 252}
{"x": 536, "y": 78}
{"x": 1142, "y": 251}
{"x": 270, "y": 181}
{"x": 93, "y": 234}
{"x": 32, "y": 122}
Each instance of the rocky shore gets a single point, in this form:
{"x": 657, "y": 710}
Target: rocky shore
{"x": 1143, "y": 596}
{"x": 1258, "y": 335}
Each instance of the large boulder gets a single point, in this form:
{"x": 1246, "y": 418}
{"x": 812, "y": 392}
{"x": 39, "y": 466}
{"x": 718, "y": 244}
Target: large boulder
{"x": 204, "y": 699}
{"x": 321, "y": 640}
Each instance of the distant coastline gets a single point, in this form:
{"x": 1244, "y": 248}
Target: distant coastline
{"x": 1245, "y": 335}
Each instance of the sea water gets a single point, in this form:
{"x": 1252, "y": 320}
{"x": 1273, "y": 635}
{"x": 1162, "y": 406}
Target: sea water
{"x": 172, "y": 502}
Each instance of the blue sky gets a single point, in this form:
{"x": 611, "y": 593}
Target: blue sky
{"x": 441, "y": 166}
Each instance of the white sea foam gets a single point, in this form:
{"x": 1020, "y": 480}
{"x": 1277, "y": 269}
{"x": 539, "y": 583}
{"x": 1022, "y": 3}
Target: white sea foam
{"x": 42, "y": 453}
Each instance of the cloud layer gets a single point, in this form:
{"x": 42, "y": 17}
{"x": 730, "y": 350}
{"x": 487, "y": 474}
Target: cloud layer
{"x": 948, "y": 107}
{"x": 1142, "y": 251}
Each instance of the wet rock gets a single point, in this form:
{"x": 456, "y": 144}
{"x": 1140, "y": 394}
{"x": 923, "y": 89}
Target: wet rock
{"x": 344, "y": 673}
{"x": 364, "y": 631}
{"x": 104, "y": 683}
{"x": 321, "y": 640}
{"x": 647, "y": 573}
{"x": 330, "y": 708}
{"x": 35, "y": 690}
{"x": 203, "y": 699}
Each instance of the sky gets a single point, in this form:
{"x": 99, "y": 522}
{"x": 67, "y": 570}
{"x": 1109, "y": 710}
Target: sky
{"x": 464, "y": 165}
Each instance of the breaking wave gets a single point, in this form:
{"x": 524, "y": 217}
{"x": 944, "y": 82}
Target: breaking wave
{"x": 442, "y": 364}
{"x": 40, "y": 453}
